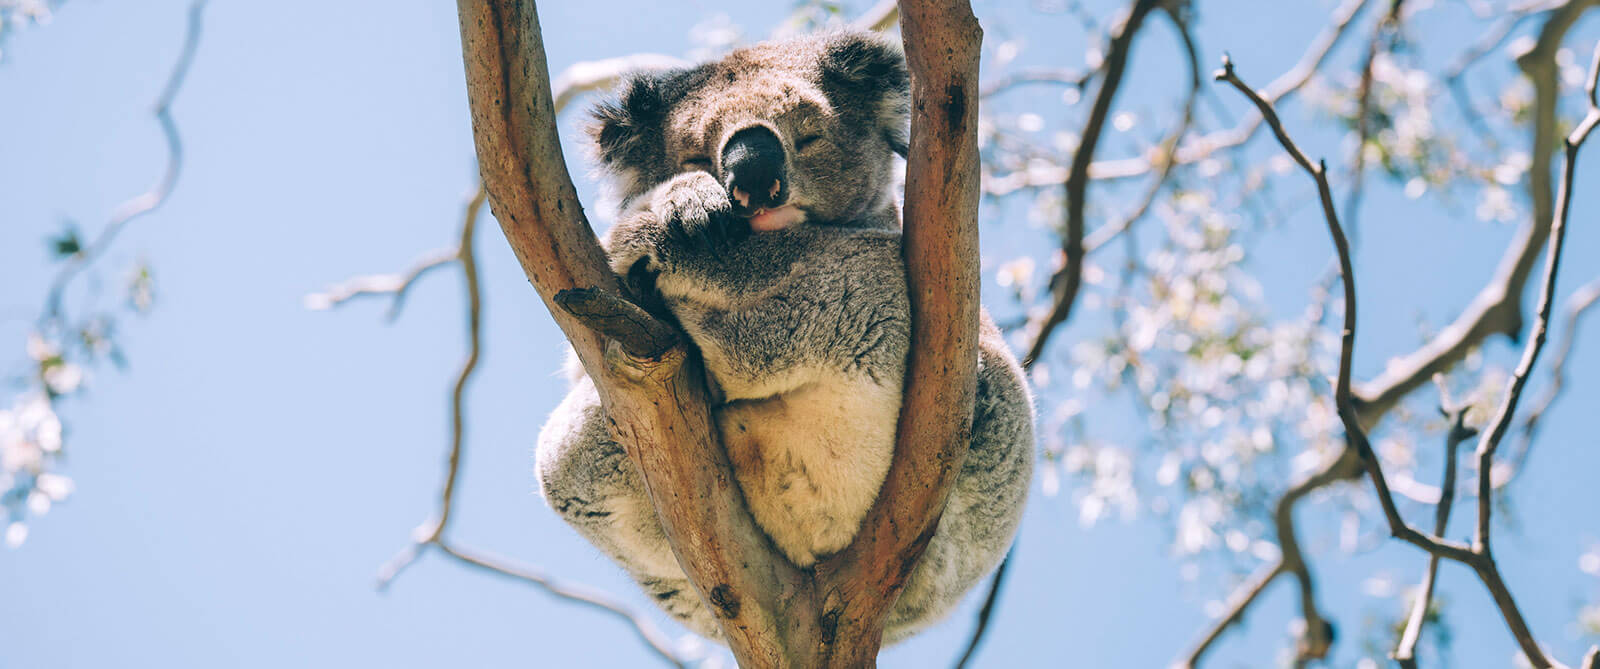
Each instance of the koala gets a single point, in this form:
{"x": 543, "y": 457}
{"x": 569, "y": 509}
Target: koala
{"x": 758, "y": 212}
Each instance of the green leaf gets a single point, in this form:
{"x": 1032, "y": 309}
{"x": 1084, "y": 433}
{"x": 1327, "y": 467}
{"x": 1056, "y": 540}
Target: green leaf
{"x": 67, "y": 244}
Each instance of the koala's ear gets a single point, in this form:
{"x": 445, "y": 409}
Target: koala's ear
{"x": 865, "y": 71}
{"x": 628, "y": 129}
{"x": 866, "y": 61}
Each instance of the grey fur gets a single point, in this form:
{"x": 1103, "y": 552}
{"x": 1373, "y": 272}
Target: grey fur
{"x": 804, "y": 330}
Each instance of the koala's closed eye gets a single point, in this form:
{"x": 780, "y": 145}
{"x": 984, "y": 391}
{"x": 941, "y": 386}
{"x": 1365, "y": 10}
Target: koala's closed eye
{"x": 806, "y": 142}
{"x": 697, "y": 163}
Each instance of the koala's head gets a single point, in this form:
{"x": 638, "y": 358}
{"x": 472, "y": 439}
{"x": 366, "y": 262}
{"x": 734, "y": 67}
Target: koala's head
{"x": 799, "y": 130}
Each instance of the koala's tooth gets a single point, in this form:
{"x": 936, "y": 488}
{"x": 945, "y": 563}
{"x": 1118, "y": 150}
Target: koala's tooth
{"x": 741, "y": 196}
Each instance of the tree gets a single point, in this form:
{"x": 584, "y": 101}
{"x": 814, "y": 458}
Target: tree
{"x": 1220, "y": 383}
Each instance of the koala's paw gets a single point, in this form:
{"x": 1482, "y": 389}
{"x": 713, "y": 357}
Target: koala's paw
{"x": 697, "y": 212}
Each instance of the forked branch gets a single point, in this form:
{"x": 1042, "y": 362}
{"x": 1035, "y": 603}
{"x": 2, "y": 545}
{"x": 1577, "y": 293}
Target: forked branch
{"x": 1478, "y": 556}
{"x": 771, "y": 613}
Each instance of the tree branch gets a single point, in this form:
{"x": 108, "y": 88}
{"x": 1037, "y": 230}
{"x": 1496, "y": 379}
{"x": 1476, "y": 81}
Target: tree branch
{"x": 1478, "y": 556}
{"x": 1101, "y": 236}
{"x": 432, "y": 534}
{"x": 658, "y": 407}
{"x": 1498, "y": 307}
{"x": 771, "y": 613}
{"x": 1205, "y": 146}
{"x": 942, "y": 45}
{"x": 1064, "y": 285}
{"x": 986, "y": 611}
{"x": 1577, "y": 305}
{"x": 157, "y": 195}
{"x": 394, "y": 286}
{"x": 1169, "y": 158}
{"x": 1405, "y": 653}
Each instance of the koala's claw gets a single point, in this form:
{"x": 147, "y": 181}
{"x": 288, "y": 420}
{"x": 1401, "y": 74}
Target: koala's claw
{"x": 698, "y": 213}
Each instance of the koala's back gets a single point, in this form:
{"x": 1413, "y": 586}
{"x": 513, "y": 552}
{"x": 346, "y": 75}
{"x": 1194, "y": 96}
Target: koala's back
{"x": 805, "y": 333}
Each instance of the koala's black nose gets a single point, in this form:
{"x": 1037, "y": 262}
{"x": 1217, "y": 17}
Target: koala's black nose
{"x": 752, "y": 170}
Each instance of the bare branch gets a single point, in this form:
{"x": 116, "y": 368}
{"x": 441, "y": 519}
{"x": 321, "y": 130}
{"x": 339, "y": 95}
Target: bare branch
{"x": 986, "y": 611}
{"x": 1498, "y": 306}
{"x": 1477, "y": 556}
{"x": 1490, "y": 440}
{"x": 157, "y": 195}
{"x": 394, "y": 286}
{"x": 1064, "y": 285}
{"x": 1342, "y": 395}
{"x": 1406, "y": 652}
{"x": 1202, "y": 147}
{"x": 1239, "y": 602}
{"x": 1169, "y": 160}
{"x": 1577, "y": 305}
{"x": 647, "y": 631}
{"x": 469, "y": 271}
{"x": 1036, "y": 75}
{"x": 432, "y": 533}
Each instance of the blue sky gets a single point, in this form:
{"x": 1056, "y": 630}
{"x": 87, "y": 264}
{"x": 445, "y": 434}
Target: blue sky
{"x": 238, "y": 487}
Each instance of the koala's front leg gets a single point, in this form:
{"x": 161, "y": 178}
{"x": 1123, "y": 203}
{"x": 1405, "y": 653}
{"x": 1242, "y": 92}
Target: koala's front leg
{"x": 685, "y": 217}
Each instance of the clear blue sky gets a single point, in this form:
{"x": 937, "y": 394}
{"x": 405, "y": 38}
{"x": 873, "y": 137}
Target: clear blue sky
{"x": 241, "y": 483}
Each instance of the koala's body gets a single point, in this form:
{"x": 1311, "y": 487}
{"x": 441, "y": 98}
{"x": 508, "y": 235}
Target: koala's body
{"x": 759, "y": 214}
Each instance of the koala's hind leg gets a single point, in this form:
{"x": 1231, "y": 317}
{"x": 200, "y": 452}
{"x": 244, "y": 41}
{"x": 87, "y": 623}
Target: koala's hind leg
{"x": 588, "y": 479}
{"x": 981, "y": 516}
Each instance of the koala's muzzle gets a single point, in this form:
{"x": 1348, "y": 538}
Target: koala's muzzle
{"x": 753, "y": 170}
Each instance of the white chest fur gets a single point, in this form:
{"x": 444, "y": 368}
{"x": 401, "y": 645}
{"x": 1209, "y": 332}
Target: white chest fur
{"x": 810, "y": 461}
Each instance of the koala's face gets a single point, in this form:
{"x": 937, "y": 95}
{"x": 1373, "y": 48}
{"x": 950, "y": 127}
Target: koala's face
{"x": 801, "y": 130}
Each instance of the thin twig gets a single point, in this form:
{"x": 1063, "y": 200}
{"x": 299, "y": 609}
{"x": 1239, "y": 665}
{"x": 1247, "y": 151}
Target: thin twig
{"x": 647, "y": 631}
{"x": 987, "y": 611}
{"x": 1243, "y": 596}
{"x": 1406, "y": 652}
{"x": 1577, "y": 305}
{"x": 151, "y": 199}
{"x": 1038, "y": 75}
{"x": 394, "y": 286}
